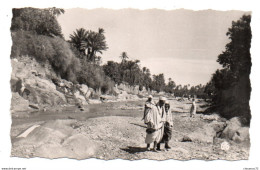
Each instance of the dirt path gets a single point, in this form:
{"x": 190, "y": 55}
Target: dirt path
{"x": 112, "y": 137}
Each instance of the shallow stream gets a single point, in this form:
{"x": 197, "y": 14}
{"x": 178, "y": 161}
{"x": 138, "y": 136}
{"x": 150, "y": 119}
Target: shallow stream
{"x": 129, "y": 108}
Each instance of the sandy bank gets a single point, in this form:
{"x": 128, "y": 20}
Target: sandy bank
{"x": 116, "y": 137}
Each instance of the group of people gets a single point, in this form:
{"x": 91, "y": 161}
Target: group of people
{"x": 158, "y": 118}
{"x": 159, "y": 122}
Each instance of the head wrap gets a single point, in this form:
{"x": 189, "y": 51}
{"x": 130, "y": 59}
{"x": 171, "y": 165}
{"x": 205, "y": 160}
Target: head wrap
{"x": 162, "y": 98}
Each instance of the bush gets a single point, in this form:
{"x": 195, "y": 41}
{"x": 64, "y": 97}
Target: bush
{"x": 29, "y": 43}
{"x": 94, "y": 76}
{"x": 64, "y": 61}
{"x": 43, "y": 48}
{"x": 40, "y": 21}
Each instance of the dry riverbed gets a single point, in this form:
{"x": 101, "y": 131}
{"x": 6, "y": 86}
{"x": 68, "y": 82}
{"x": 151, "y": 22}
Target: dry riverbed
{"x": 116, "y": 132}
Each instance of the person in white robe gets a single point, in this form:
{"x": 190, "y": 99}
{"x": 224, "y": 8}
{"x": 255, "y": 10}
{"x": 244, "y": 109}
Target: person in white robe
{"x": 154, "y": 123}
{"x": 161, "y": 108}
{"x": 193, "y": 108}
{"x": 147, "y": 106}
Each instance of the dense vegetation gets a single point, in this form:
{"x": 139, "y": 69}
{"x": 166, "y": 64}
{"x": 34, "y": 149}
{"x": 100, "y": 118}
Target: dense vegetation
{"x": 230, "y": 87}
{"x": 36, "y": 33}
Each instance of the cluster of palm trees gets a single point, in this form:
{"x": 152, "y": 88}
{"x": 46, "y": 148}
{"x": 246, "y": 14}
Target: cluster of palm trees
{"x": 89, "y": 43}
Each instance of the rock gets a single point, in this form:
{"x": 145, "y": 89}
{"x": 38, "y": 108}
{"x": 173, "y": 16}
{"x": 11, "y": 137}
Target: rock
{"x": 39, "y": 82}
{"x": 61, "y": 84}
{"x": 35, "y": 89}
{"x": 89, "y": 93}
{"x": 241, "y": 135}
{"x": 232, "y": 126}
{"x": 18, "y": 103}
{"x": 84, "y": 89}
{"x": 234, "y": 131}
{"x": 94, "y": 101}
{"x": 44, "y": 95}
{"x": 210, "y": 117}
{"x": 34, "y": 106}
{"x": 186, "y": 139}
{"x": 34, "y": 72}
{"x": 207, "y": 133}
{"x": 81, "y": 145}
{"x": 81, "y": 98}
{"x": 16, "y": 84}
{"x": 67, "y": 84}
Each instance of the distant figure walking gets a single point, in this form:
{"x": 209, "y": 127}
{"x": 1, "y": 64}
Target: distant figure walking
{"x": 168, "y": 125}
{"x": 193, "y": 108}
{"x": 147, "y": 106}
{"x": 154, "y": 123}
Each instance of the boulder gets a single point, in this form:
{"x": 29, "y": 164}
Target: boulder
{"x": 241, "y": 135}
{"x": 46, "y": 95}
{"x": 18, "y": 103}
{"x": 16, "y": 84}
{"x": 89, "y": 93}
{"x": 232, "y": 126}
{"x": 80, "y": 98}
{"x": 207, "y": 133}
{"x": 35, "y": 89}
{"x": 84, "y": 89}
{"x": 39, "y": 82}
{"x": 234, "y": 131}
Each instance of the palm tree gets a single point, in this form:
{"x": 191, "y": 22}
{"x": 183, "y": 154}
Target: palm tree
{"x": 96, "y": 43}
{"x": 123, "y": 56}
{"x": 89, "y": 42}
{"x": 79, "y": 39}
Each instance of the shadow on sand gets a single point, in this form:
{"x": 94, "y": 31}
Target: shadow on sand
{"x": 133, "y": 150}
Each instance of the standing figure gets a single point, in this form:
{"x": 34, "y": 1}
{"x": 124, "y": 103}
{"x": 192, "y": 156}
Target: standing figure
{"x": 161, "y": 108}
{"x": 193, "y": 108}
{"x": 167, "y": 135}
{"x": 147, "y": 107}
{"x": 154, "y": 126}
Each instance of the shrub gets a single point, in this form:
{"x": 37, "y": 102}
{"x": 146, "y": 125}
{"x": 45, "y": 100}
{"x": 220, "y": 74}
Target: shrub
{"x": 40, "y": 21}
{"x": 94, "y": 76}
{"x": 29, "y": 43}
{"x": 43, "y": 48}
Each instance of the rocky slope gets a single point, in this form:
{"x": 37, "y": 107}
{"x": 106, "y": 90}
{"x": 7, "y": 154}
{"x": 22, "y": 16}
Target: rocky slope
{"x": 36, "y": 86}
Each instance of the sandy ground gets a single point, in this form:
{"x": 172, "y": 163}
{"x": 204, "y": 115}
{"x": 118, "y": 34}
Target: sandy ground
{"x": 117, "y": 136}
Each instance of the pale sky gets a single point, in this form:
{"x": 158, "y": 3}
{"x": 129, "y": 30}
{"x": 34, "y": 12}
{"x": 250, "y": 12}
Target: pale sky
{"x": 182, "y": 44}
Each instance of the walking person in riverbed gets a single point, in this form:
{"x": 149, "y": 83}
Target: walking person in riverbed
{"x": 193, "y": 108}
{"x": 154, "y": 129}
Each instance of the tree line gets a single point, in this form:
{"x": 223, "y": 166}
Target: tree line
{"x": 229, "y": 87}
